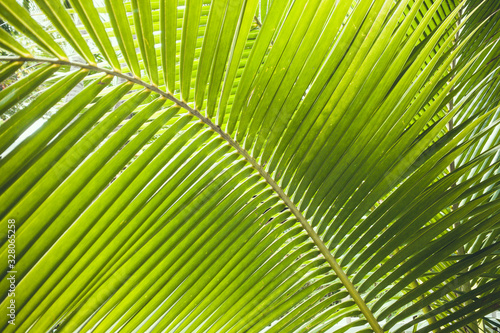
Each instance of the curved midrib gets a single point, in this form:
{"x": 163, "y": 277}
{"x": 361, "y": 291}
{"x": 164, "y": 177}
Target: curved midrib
{"x": 296, "y": 212}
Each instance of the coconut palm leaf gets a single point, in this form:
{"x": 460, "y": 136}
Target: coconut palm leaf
{"x": 250, "y": 166}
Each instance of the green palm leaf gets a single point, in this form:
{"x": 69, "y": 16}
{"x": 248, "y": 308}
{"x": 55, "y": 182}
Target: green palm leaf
{"x": 250, "y": 166}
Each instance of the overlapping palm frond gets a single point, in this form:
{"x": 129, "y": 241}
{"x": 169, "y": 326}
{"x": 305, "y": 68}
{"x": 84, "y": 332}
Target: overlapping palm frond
{"x": 250, "y": 166}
